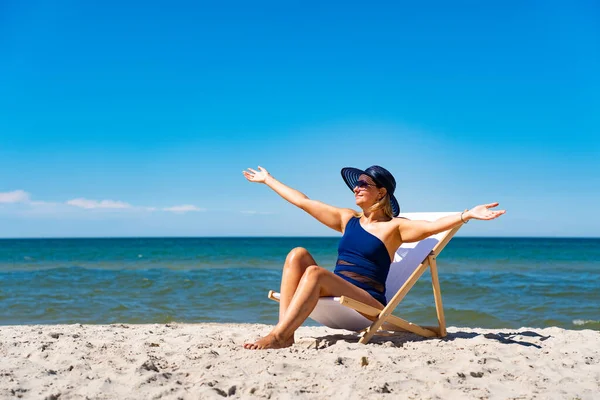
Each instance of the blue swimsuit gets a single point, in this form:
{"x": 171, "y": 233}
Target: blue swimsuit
{"x": 365, "y": 257}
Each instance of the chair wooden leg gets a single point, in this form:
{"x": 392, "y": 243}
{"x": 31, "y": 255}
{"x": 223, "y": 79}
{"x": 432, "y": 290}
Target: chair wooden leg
{"x": 389, "y": 327}
{"x": 437, "y": 294}
{"x": 409, "y": 326}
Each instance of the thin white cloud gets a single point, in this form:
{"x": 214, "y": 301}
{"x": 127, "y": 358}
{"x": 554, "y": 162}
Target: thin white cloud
{"x": 183, "y": 208}
{"x": 92, "y": 204}
{"x": 16, "y": 196}
{"x": 43, "y": 203}
{"x": 23, "y": 197}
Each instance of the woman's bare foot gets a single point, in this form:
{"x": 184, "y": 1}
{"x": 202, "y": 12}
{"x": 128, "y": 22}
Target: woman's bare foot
{"x": 269, "y": 342}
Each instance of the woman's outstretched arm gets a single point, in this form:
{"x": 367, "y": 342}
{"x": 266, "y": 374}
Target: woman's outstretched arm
{"x": 333, "y": 217}
{"x": 413, "y": 231}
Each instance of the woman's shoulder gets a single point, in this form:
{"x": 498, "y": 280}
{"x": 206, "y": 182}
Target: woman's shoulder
{"x": 398, "y": 221}
{"x": 348, "y": 215}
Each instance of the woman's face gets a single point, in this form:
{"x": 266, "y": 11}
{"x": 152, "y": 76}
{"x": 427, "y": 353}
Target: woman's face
{"x": 366, "y": 193}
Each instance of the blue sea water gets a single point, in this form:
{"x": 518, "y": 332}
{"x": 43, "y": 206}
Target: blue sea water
{"x": 486, "y": 282}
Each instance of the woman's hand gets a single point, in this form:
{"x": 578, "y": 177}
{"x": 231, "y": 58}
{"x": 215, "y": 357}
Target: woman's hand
{"x": 259, "y": 176}
{"x": 483, "y": 212}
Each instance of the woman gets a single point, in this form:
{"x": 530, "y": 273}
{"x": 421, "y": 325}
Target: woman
{"x": 366, "y": 249}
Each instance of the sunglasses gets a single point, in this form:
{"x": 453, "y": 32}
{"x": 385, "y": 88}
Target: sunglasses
{"x": 361, "y": 184}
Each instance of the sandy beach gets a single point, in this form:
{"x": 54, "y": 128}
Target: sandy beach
{"x": 197, "y": 361}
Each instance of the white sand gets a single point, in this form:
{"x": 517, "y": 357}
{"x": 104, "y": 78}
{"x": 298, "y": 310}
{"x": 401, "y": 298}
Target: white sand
{"x": 197, "y": 361}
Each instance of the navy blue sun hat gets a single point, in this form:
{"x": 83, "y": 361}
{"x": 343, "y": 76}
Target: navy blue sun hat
{"x": 381, "y": 176}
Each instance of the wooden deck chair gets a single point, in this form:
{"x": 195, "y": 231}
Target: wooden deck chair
{"x": 410, "y": 262}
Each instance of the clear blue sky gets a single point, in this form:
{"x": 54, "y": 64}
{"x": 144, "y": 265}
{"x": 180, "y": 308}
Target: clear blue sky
{"x": 137, "y": 118}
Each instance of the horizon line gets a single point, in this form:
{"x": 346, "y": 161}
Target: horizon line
{"x": 273, "y": 237}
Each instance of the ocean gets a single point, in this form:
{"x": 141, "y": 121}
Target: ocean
{"x": 485, "y": 282}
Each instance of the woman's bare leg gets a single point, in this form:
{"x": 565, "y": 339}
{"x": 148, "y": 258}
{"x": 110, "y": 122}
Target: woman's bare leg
{"x": 316, "y": 282}
{"x": 296, "y": 263}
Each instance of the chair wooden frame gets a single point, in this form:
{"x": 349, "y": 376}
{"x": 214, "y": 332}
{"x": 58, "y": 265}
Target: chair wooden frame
{"x": 384, "y": 321}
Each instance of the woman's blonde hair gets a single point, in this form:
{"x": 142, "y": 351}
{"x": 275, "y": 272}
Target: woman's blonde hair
{"x": 383, "y": 204}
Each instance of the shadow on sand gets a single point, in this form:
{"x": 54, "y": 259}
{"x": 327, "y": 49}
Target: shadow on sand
{"x": 398, "y": 339}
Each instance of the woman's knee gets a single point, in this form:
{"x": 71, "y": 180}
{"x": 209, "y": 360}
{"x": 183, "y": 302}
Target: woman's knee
{"x": 313, "y": 273}
{"x": 297, "y": 255}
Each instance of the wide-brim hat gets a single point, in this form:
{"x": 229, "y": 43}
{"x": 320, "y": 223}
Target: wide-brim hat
{"x": 381, "y": 176}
